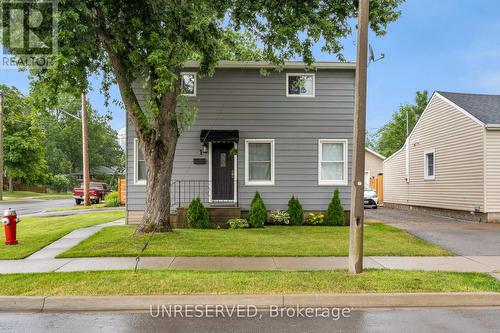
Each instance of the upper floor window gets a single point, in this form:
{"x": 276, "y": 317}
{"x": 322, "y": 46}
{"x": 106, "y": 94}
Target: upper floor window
{"x": 259, "y": 162}
{"x": 140, "y": 172}
{"x": 332, "y": 162}
{"x": 300, "y": 85}
{"x": 429, "y": 164}
{"x": 188, "y": 84}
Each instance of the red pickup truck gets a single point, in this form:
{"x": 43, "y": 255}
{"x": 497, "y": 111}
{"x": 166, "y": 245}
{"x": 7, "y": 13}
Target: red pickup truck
{"x": 97, "y": 192}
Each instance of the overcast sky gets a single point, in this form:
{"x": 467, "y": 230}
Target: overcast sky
{"x": 450, "y": 45}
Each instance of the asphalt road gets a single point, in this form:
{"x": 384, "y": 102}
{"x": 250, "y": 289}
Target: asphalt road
{"x": 377, "y": 320}
{"x": 33, "y": 206}
{"x": 460, "y": 237}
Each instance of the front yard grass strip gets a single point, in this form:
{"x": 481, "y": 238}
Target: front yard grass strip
{"x": 163, "y": 282}
{"x": 284, "y": 241}
{"x": 33, "y": 233}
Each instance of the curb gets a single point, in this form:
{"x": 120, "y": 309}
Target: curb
{"x": 145, "y": 303}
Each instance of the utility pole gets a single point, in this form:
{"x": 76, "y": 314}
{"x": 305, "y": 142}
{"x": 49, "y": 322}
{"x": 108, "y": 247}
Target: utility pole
{"x": 1, "y": 145}
{"x": 85, "y": 146}
{"x": 358, "y": 158}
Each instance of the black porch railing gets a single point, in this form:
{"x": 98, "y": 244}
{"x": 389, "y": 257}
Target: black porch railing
{"x": 182, "y": 192}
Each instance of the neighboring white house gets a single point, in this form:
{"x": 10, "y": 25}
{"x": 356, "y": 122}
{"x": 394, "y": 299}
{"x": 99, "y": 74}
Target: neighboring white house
{"x": 451, "y": 160}
{"x": 374, "y": 164}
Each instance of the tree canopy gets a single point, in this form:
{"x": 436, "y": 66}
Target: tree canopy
{"x": 24, "y": 153}
{"x": 392, "y": 135}
{"x": 152, "y": 39}
{"x": 63, "y": 139}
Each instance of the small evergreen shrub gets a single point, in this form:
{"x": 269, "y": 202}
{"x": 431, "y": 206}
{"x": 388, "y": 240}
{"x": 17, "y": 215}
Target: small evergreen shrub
{"x": 197, "y": 215}
{"x": 335, "y": 211}
{"x": 112, "y": 200}
{"x": 315, "y": 219}
{"x": 280, "y": 217}
{"x": 238, "y": 223}
{"x": 295, "y": 211}
{"x": 257, "y": 215}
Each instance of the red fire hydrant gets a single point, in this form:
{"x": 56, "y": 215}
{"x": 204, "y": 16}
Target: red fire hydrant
{"x": 10, "y": 220}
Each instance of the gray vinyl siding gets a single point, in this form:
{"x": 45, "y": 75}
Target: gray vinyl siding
{"x": 257, "y": 106}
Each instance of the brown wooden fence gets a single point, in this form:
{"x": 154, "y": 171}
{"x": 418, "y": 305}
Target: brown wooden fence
{"x": 122, "y": 185}
{"x": 377, "y": 184}
{"x": 18, "y": 186}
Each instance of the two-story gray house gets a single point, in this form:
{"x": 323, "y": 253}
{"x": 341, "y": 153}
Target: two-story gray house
{"x": 282, "y": 134}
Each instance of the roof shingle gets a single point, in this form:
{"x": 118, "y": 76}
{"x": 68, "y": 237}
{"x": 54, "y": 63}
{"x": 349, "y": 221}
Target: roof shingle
{"x": 486, "y": 108}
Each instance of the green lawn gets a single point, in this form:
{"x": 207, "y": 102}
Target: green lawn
{"x": 79, "y": 207}
{"x": 33, "y": 233}
{"x": 18, "y": 195}
{"x": 160, "y": 282}
{"x": 380, "y": 239}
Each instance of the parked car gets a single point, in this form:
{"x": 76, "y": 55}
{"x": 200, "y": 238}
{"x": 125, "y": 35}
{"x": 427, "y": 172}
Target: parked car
{"x": 370, "y": 197}
{"x": 97, "y": 192}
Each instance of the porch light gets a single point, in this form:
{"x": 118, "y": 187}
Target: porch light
{"x": 204, "y": 149}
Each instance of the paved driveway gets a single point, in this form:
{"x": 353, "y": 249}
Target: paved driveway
{"x": 461, "y": 237}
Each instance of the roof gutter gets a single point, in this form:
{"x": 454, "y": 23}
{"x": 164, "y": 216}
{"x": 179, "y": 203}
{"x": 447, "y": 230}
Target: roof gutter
{"x": 266, "y": 64}
{"x": 492, "y": 127}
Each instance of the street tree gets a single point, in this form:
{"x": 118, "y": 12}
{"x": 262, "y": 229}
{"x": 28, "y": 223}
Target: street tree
{"x": 392, "y": 135}
{"x": 149, "y": 41}
{"x": 63, "y": 138}
{"x": 24, "y": 153}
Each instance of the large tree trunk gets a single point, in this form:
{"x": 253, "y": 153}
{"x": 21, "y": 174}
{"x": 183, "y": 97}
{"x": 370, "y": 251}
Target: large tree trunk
{"x": 159, "y": 153}
{"x": 157, "y": 136}
{"x": 159, "y": 163}
{"x": 11, "y": 184}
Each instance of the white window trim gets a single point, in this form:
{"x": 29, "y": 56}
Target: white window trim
{"x": 301, "y": 96}
{"x": 136, "y": 169}
{"x": 249, "y": 182}
{"x": 426, "y": 169}
{"x": 195, "y": 83}
{"x": 320, "y": 159}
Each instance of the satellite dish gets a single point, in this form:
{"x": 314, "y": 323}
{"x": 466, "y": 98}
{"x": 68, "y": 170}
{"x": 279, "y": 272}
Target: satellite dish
{"x": 371, "y": 57}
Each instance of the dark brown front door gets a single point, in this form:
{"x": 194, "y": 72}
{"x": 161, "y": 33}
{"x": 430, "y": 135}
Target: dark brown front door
{"x": 222, "y": 171}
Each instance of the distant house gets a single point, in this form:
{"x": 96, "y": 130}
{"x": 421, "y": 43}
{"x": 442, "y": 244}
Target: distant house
{"x": 96, "y": 173}
{"x": 451, "y": 160}
{"x": 283, "y": 134}
{"x": 374, "y": 164}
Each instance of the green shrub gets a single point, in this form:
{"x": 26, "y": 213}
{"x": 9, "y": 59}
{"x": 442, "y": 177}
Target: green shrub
{"x": 112, "y": 200}
{"x": 335, "y": 213}
{"x": 315, "y": 219}
{"x": 257, "y": 215}
{"x": 238, "y": 223}
{"x": 197, "y": 215}
{"x": 295, "y": 211}
{"x": 58, "y": 184}
{"x": 280, "y": 217}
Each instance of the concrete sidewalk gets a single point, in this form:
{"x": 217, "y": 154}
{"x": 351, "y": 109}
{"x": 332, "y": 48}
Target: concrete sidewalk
{"x": 483, "y": 264}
